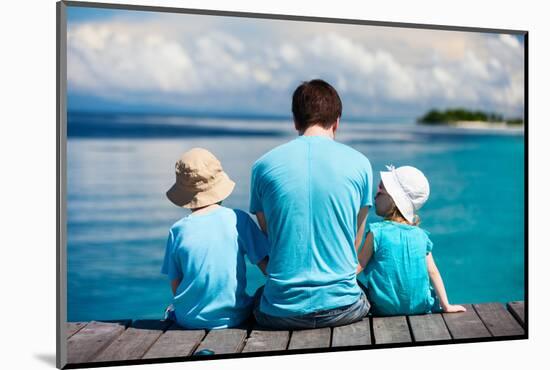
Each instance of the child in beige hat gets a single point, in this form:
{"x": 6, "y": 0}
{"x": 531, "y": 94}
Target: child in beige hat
{"x": 205, "y": 251}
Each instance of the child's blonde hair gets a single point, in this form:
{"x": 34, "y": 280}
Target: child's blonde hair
{"x": 395, "y": 215}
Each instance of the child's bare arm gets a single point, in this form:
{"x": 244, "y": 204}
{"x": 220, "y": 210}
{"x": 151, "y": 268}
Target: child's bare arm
{"x": 262, "y": 265}
{"x": 365, "y": 254}
{"x": 261, "y": 221}
{"x": 439, "y": 287}
{"x": 175, "y": 284}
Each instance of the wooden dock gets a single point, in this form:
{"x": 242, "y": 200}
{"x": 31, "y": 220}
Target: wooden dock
{"x": 126, "y": 341}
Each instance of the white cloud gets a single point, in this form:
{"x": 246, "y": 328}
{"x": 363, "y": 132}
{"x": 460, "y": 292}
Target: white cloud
{"x": 445, "y": 82}
{"x": 262, "y": 75}
{"x": 475, "y": 67}
{"x": 289, "y": 53}
{"x": 510, "y": 41}
{"x": 185, "y": 59}
{"x": 512, "y": 94}
{"x": 106, "y": 62}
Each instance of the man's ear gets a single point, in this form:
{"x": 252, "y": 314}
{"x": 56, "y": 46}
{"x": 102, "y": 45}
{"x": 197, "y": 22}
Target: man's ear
{"x": 336, "y": 125}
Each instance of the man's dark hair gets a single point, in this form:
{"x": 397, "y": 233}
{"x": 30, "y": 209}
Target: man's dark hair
{"x": 315, "y": 102}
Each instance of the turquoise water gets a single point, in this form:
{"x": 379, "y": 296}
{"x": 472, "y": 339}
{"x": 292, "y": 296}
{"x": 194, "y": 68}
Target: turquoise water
{"x": 119, "y": 168}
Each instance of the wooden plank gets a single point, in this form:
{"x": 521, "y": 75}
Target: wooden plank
{"x": 429, "y": 327}
{"x": 464, "y": 325}
{"x": 499, "y": 321}
{"x": 517, "y": 309}
{"x": 222, "y": 341}
{"x": 392, "y": 329}
{"x": 261, "y": 340}
{"x": 310, "y": 338}
{"x": 134, "y": 342}
{"x": 91, "y": 340}
{"x": 175, "y": 342}
{"x": 356, "y": 334}
{"x": 74, "y": 327}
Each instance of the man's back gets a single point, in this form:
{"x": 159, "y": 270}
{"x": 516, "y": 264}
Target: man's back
{"x": 310, "y": 191}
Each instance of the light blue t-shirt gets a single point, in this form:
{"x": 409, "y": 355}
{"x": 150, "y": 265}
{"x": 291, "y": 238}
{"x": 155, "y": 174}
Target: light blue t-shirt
{"x": 397, "y": 277}
{"x": 310, "y": 190}
{"x": 207, "y": 252}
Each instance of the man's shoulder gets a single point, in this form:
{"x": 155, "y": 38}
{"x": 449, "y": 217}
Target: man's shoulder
{"x": 275, "y": 154}
{"x": 351, "y": 152}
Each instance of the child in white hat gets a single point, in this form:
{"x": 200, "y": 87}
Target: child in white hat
{"x": 397, "y": 253}
{"x": 205, "y": 251}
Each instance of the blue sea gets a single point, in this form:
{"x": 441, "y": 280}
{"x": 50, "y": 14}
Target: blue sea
{"x": 120, "y": 166}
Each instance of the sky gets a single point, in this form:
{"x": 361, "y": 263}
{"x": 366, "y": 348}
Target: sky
{"x": 136, "y": 61}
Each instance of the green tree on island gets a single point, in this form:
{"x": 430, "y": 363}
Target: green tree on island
{"x": 435, "y": 116}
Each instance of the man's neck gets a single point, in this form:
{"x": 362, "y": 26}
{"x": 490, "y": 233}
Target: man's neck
{"x": 317, "y": 130}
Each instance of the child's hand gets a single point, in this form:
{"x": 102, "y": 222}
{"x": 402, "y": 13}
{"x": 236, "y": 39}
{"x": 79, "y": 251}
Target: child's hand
{"x": 454, "y": 308}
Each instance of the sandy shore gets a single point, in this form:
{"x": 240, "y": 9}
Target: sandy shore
{"x": 484, "y": 125}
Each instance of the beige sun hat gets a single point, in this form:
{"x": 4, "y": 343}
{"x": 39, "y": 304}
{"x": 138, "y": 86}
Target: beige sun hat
{"x": 200, "y": 180}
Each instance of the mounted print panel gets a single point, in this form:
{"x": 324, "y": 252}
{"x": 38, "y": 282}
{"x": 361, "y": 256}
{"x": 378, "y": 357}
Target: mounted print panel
{"x": 235, "y": 184}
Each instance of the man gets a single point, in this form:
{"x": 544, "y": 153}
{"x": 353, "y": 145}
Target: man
{"x": 311, "y": 196}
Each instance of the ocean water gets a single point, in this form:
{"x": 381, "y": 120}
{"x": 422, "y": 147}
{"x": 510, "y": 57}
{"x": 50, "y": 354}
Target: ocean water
{"x": 120, "y": 166}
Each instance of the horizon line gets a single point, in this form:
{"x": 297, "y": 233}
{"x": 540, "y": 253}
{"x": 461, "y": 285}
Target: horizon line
{"x": 228, "y": 115}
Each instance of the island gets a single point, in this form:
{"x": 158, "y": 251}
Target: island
{"x": 466, "y": 118}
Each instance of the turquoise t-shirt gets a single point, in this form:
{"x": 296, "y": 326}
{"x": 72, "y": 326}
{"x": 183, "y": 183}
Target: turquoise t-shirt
{"x": 310, "y": 190}
{"x": 207, "y": 252}
{"x": 397, "y": 277}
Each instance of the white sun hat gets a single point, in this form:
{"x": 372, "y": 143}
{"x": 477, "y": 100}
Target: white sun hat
{"x": 408, "y": 187}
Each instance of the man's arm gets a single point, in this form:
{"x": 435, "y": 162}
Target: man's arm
{"x": 175, "y": 284}
{"x": 361, "y": 221}
{"x": 365, "y": 254}
{"x": 262, "y": 265}
{"x": 261, "y": 221}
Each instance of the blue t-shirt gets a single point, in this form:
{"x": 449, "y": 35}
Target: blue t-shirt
{"x": 310, "y": 191}
{"x": 397, "y": 277}
{"x": 207, "y": 252}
